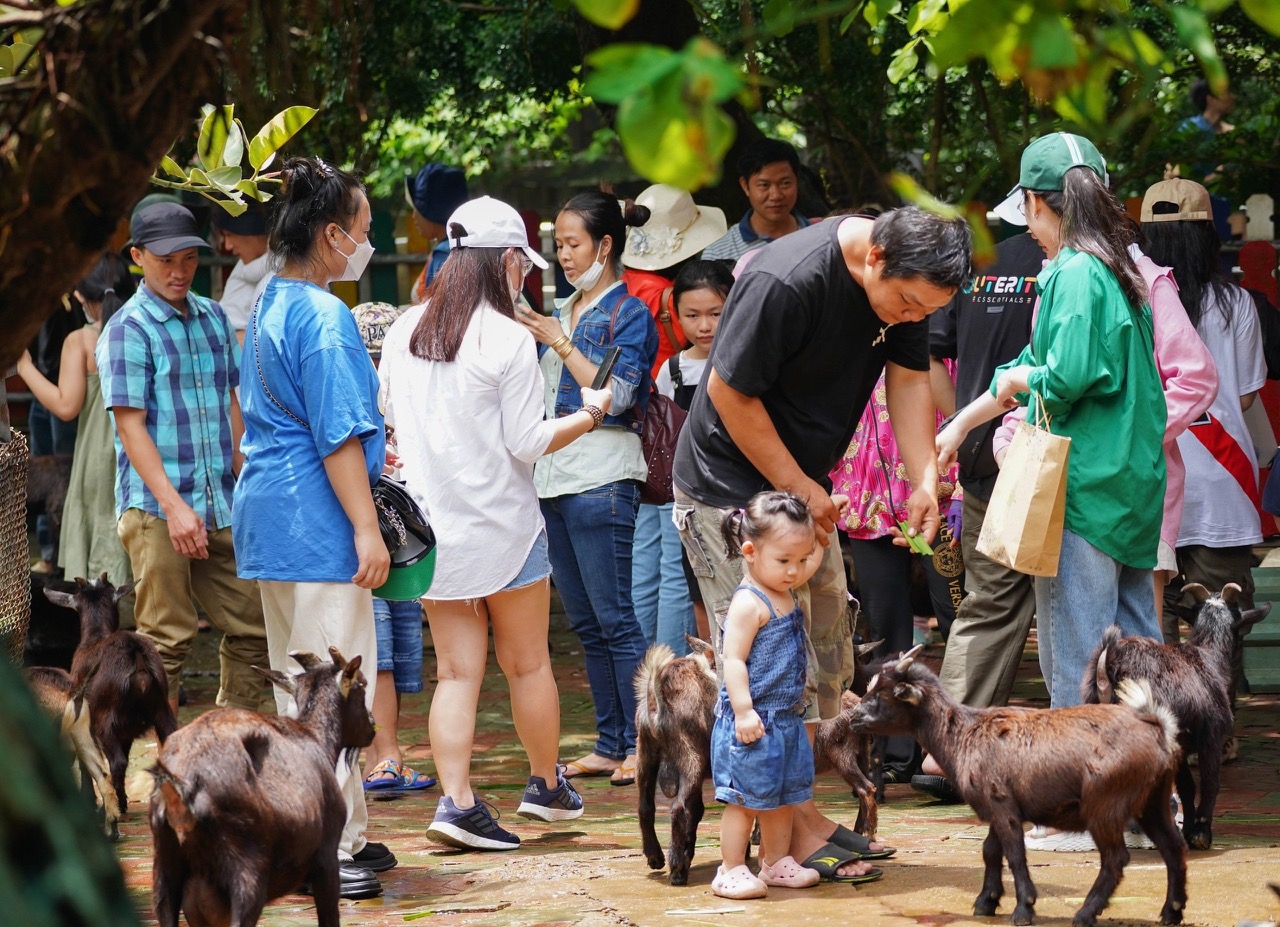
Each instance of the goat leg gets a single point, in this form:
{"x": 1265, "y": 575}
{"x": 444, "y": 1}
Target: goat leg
{"x": 1186, "y": 784}
{"x": 988, "y": 899}
{"x": 325, "y": 883}
{"x": 647, "y": 782}
{"x": 169, "y": 874}
{"x": 1197, "y": 820}
{"x": 1157, "y": 823}
{"x": 1009, "y": 833}
{"x": 1109, "y": 837}
{"x": 684, "y": 831}
{"x": 117, "y": 755}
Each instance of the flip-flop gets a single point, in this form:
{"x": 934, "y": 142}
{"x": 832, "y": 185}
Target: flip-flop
{"x": 412, "y": 781}
{"x": 625, "y": 774}
{"x": 576, "y": 769}
{"x": 829, "y": 858}
{"x": 857, "y": 843}
{"x": 373, "y": 781}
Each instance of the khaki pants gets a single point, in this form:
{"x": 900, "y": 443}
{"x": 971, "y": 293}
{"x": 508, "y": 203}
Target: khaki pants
{"x": 314, "y": 617}
{"x": 165, "y": 612}
{"x": 990, "y": 631}
{"x": 824, "y": 599}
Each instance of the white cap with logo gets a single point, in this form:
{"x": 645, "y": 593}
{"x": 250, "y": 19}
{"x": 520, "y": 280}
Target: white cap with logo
{"x": 489, "y": 223}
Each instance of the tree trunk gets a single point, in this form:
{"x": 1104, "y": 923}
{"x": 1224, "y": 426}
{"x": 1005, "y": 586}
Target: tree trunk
{"x": 119, "y": 81}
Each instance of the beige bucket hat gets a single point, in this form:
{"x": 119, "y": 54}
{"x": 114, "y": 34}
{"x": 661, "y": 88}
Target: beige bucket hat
{"x": 678, "y": 228}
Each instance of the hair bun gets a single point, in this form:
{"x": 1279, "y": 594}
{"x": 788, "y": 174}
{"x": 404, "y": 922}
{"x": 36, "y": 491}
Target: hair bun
{"x": 634, "y": 214}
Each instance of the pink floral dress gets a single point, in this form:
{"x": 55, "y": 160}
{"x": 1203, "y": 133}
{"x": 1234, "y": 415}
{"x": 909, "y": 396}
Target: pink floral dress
{"x": 869, "y": 478}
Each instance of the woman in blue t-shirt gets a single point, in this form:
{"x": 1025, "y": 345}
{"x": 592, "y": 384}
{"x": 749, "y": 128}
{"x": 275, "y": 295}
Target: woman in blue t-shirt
{"x": 305, "y": 524}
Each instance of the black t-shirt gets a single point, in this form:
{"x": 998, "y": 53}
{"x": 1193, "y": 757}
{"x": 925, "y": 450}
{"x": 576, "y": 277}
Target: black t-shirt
{"x": 981, "y": 330}
{"x": 798, "y": 333}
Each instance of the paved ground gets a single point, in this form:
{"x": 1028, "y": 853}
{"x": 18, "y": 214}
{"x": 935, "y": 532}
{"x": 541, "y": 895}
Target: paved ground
{"x": 590, "y": 872}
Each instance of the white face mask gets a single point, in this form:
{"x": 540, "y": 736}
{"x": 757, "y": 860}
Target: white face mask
{"x": 358, "y": 260}
{"x": 591, "y": 276}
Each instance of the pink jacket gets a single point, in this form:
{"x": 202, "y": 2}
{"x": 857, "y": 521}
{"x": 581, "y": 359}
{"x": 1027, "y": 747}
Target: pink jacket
{"x": 1190, "y": 385}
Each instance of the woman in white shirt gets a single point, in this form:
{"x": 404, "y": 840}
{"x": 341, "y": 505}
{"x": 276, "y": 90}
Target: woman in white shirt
{"x": 462, "y": 387}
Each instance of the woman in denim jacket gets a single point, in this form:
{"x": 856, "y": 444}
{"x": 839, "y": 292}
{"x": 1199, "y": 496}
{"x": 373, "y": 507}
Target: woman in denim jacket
{"x": 590, "y": 490}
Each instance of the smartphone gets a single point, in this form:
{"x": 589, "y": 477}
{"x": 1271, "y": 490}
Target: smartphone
{"x": 606, "y": 368}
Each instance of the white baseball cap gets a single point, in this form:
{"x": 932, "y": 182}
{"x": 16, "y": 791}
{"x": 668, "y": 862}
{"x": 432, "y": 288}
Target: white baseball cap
{"x": 490, "y": 223}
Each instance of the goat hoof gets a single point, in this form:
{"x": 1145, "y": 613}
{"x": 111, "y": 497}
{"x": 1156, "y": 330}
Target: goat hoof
{"x": 1082, "y": 921}
{"x": 1025, "y": 914}
{"x": 1199, "y": 838}
{"x": 679, "y": 878}
{"x": 655, "y": 862}
{"x": 1170, "y": 915}
{"x": 985, "y": 907}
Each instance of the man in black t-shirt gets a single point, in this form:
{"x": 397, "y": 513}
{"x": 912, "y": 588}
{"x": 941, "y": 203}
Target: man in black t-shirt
{"x": 981, "y": 330}
{"x": 806, "y": 331}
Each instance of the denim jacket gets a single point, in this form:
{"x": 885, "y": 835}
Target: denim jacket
{"x": 635, "y": 333}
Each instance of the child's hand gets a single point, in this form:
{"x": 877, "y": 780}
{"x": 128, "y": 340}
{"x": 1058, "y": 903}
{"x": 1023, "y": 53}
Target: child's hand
{"x": 841, "y": 502}
{"x": 748, "y": 726}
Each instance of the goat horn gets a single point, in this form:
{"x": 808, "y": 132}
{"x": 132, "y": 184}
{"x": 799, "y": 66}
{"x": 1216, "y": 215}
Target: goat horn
{"x": 305, "y": 659}
{"x": 909, "y": 657}
{"x": 1231, "y": 593}
{"x": 1196, "y": 591}
{"x": 338, "y": 659}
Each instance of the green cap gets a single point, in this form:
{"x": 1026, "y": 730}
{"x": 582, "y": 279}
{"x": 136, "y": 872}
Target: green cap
{"x": 1045, "y": 163}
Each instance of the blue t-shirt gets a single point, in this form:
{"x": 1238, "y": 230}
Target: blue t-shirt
{"x": 289, "y": 525}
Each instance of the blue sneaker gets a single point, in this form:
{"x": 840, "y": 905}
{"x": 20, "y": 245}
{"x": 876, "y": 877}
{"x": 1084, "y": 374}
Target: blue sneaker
{"x": 562, "y": 803}
{"x": 473, "y": 828}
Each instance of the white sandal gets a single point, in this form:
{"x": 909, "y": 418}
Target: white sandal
{"x": 738, "y": 884}
{"x": 787, "y": 873}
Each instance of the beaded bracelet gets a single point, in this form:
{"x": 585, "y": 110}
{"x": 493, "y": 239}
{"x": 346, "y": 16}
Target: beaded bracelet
{"x": 597, "y": 415}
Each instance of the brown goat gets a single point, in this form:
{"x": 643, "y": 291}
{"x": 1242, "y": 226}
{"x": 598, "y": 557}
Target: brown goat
{"x": 1091, "y": 767}
{"x": 1193, "y": 679}
{"x": 120, "y": 672}
{"x": 56, "y": 692}
{"x": 675, "y": 705}
{"x": 246, "y": 806}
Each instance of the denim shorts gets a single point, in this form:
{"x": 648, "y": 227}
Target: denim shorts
{"x": 399, "y": 629}
{"x": 775, "y": 771}
{"x": 536, "y": 566}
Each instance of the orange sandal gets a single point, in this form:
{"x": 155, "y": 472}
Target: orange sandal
{"x": 578, "y": 769}
{"x": 625, "y": 774}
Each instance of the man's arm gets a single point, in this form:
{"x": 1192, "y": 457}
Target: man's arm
{"x": 909, "y": 397}
{"x": 749, "y": 425}
{"x": 944, "y": 390}
{"x": 186, "y": 528}
{"x": 237, "y": 434}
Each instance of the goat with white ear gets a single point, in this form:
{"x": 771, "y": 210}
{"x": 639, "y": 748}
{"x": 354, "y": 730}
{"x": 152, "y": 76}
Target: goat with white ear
{"x": 1091, "y": 767}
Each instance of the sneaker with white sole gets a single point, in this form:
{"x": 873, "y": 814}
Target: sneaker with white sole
{"x": 474, "y": 828}
{"x": 563, "y": 803}
{"x": 1039, "y": 838}
{"x": 1135, "y": 839}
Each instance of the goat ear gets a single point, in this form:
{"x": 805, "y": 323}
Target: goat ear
{"x": 1196, "y": 591}
{"x": 905, "y": 661}
{"x": 1252, "y": 616}
{"x": 122, "y": 591}
{"x": 1231, "y": 593}
{"x": 700, "y": 647}
{"x": 57, "y": 597}
{"x": 278, "y": 678}
{"x": 338, "y": 659}
{"x": 905, "y": 692}
{"x": 103, "y": 580}
{"x": 305, "y": 659}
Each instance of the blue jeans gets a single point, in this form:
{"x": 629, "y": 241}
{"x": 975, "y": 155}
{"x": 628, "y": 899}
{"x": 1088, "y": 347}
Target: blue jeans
{"x": 1091, "y": 592}
{"x": 399, "y": 628}
{"x": 49, "y": 434}
{"x": 591, "y": 535}
{"x": 659, "y": 591}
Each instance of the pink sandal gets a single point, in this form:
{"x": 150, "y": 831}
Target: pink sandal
{"x": 738, "y": 883}
{"x": 787, "y": 873}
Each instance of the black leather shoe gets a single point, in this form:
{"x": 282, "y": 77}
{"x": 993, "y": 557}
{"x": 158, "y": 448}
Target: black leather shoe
{"x": 354, "y": 881}
{"x": 376, "y": 857}
{"x": 938, "y": 787}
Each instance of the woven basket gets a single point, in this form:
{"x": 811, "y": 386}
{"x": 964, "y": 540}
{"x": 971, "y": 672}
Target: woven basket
{"x": 15, "y": 581}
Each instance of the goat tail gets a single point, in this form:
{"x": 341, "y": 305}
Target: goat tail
{"x": 648, "y": 700}
{"x": 1137, "y": 694}
{"x": 1098, "y": 687}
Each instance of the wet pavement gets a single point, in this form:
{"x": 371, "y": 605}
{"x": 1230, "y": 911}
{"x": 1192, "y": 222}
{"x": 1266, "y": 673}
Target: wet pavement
{"x": 590, "y": 872}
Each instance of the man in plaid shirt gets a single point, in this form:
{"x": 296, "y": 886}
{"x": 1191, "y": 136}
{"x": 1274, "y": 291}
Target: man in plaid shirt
{"x": 169, "y": 362}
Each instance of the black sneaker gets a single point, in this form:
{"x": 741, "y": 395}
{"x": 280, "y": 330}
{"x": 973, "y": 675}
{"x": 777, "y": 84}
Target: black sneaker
{"x": 354, "y": 881}
{"x": 560, "y": 804}
{"x": 376, "y": 857}
{"x": 473, "y": 828}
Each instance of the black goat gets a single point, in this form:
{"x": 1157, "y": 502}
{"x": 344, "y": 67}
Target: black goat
{"x": 121, "y": 674}
{"x": 1091, "y": 767}
{"x": 1193, "y": 679}
{"x": 246, "y": 806}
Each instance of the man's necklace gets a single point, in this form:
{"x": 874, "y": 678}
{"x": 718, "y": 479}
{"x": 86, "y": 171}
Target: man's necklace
{"x": 880, "y": 337}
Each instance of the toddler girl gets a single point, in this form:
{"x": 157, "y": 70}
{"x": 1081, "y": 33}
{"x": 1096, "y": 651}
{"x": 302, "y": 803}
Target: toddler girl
{"x": 761, "y": 761}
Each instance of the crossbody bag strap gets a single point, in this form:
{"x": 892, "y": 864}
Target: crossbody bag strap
{"x": 257, "y": 356}
{"x": 664, "y": 319}
{"x": 673, "y": 368}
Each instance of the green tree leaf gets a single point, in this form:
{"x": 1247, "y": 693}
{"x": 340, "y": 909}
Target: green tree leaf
{"x": 218, "y": 124}
{"x": 617, "y": 70}
{"x": 1193, "y": 30}
{"x": 250, "y": 189}
{"x": 904, "y": 62}
{"x": 877, "y": 11}
{"x": 276, "y": 133}
{"x": 226, "y": 178}
{"x": 927, "y": 16}
{"x": 1052, "y": 43}
{"x": 611, "y": 14}
{"x": 170, "y": 167}
{"x": 1266, "y": 13}
{"x": 779, "y": 17}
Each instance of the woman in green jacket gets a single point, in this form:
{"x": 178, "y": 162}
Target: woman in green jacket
{"x": 1091, "y": 368}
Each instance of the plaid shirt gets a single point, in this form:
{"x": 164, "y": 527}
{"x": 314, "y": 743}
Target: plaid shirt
{"x": 181, "y": 370}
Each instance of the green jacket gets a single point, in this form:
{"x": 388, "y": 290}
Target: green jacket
{"x": 1099, "y": 384}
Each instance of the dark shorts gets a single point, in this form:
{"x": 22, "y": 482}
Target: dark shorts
{"x": 775, "y": 771}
